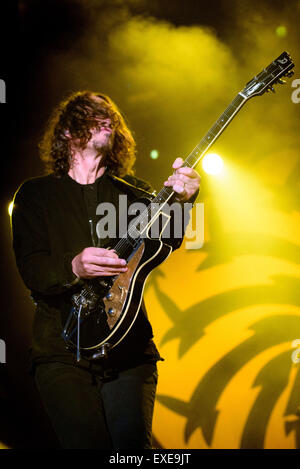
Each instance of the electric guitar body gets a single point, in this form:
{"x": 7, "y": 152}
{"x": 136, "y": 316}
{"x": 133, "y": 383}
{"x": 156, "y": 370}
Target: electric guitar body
{"x": 118, "y": 303}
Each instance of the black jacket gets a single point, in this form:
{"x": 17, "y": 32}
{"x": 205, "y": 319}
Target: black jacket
{"x": 50, "y": 224}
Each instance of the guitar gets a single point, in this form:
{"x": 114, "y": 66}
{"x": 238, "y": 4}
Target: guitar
{"x": 105, "y": 308}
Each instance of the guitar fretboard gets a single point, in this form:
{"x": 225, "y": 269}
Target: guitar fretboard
{"x": 214, "y": 132}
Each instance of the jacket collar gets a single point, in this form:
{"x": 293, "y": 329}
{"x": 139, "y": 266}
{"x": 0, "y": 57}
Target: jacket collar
{"x": 133, "y": 187}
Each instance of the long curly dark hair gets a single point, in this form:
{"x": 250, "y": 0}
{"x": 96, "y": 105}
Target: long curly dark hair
{"x": 78, "y": 114}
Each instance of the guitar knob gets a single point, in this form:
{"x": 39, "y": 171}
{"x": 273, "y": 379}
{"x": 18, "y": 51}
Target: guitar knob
{"x": 111, "y": 311}
{"x": 103, "y": 351}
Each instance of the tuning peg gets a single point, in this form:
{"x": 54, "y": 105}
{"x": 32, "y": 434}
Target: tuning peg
{"x": 289, "y": 74}
{"x": 281, "y": 81}
{"x": 271, "y": 89}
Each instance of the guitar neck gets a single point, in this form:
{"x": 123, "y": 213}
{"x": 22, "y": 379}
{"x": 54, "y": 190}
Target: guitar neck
{"x": 262, "y": 82}
{"x": 192, "y": 160}
{"x": 215, "y": 131}
{"x": 199, "y": 151}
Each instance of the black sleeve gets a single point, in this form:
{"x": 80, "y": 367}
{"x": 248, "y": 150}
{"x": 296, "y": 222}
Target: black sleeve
{"x": 32, "y": 247}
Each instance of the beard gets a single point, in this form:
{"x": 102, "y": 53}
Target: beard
{"x": 104, "y": 146}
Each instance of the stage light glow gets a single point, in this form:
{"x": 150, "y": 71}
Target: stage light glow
{"x": 10, "y": 208}
{"x": 154, "y": 154}
{"x": 281, "y": 31}
{"x": 212, "y": 164}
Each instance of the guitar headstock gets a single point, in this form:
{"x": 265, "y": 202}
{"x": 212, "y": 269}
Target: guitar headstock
{"x": 271, "y": 75}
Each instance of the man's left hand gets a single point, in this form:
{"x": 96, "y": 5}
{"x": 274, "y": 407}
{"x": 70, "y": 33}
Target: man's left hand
{"x": 185, "y": 181}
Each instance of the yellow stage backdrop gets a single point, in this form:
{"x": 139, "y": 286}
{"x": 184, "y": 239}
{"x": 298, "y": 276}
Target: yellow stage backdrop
{"x": 226, "y": 316}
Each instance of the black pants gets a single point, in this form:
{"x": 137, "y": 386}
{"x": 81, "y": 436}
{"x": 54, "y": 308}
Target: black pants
{"x": 90, "y": 413}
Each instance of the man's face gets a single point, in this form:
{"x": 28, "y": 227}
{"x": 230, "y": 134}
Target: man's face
{"x": 102, "y": 134}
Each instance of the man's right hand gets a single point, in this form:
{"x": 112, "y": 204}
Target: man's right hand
{"x": 95, "y": 262}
